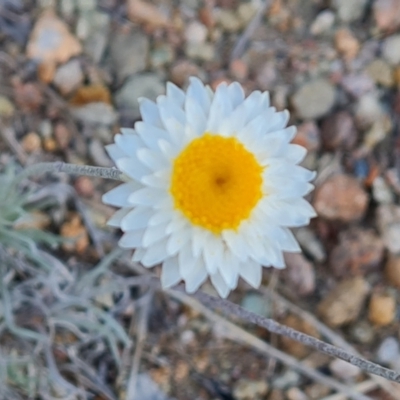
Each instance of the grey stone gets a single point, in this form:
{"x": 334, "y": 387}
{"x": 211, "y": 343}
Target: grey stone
{"x": 391, "y": 49}
{"x": 68, "y": 77}
{"x": 314, "y": 99}
{"x": 129, "y": 52}
{"x": 350, "y": 10}
{"x": 388, "y": 351}
{"x": 93, "y": 29}
{"x": 147, "y": 85}
{"x": 257, "y": 304}
{"x": 95, "y": 114}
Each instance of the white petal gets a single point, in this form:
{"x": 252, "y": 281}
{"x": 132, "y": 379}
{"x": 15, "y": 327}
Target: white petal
{"x": 152, "y": 159}
{"x": 146, "y": 196}
{"x": 119, "y": 196}
{"x": 132, "y": 167}
{"x": 160, "y": 217}
{"x": 220, "y": 285}
{"x": 229, "y": 269}
{"x": 131, "y": 239}
{"x": 137, "y": 218}
{"x": 175, "y": 94}
{"x": 177, "y": 240}
{"x": 154, "y": 234}
{"x": 173, "y": 118}
{"x": 155, "y": 254}
{"x": 186, "y": 260}
{"x": 251, "y": 272}
{"x": 129, "y": 143}
{"x": 115, "y": 152}
{"x": 195, "y": 276}
{"x": 200, "y": 238}
{"x": 236, "y": 94}
{"x": 138, "y": 254}
{"x": 220, "y": 108}
{"x": 177, "y": 223}
{"x": 213, "y": 253}
{"x": 149, "y": 112}
{"x": 150, "y": 134}
{"x": 296, "y": 153}
{"x": 170, "y": 275}
{"x": 117, "y": 217}
{"x": 197, "y": 91}
{"x": 237, "y": 245}
{"x": 196, "y": 117}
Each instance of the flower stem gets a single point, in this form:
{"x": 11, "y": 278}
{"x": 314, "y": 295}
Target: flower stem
{"x": 71, "y": 169}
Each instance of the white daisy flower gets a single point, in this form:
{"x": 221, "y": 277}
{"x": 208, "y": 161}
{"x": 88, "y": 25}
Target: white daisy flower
{"x": 213, "y": 185}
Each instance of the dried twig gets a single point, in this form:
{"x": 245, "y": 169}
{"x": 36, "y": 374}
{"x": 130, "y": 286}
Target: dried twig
{"x": 390, "y": 388}
{"x": 275, "y": 327}
{"x": 234, "y": 332}
{"x": 241, "y": 43}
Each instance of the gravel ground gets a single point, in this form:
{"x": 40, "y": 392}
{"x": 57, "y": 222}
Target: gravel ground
{"x": 70, "y": 75}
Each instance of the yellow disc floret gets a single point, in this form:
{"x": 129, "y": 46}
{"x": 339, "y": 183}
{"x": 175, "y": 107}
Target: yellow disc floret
{"x": 216, "y": 182}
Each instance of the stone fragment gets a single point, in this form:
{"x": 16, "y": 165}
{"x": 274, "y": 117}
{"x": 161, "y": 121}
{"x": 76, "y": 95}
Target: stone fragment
{"x": 6, "y": 107}
{"x": 299, "y": 274}
{"x": 341, "y": 197}
{"x": 346, "y": 43}
{"x": 338, "y": 131}
{"x": 381, "y": 72}
{"x": 128, "y": 53}
{"x": 382, "y": 309}
{"x": 391, "y": 49}
{"x": 78, "y": 237}
{"x": 349, "y": 11}
{"x": 314, "y": 99}
{"x": 148, "y": 85}
{"x": 308, "y": 135}
{"x": 31, "y": 142}
{"x": 343, "y": 303}
{"x": 358, "y": 251}
{"x": 50, "y": 41}
{"x": 68, "y": 77}
{"x": 323, "y": 22}
{"x": 147, "y": 13}
{"x": 392, "y": 270}
{"x": 388, "y": 222}
{"x": 344, "y": 370}
{"x": 386, "y": 14}
{"x": 246, "y": 389}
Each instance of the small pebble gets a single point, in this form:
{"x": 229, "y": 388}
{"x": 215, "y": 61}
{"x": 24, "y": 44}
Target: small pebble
{"x": 358, "y": 251}
{"x": 287, "y": 379}
{"x": 391, "y": 49}
{"x": 392, "y": 270}
{"x": 75, "y": 232}
{"x": 381, "y": 191}
{"x": 381, "y": 72}
{"x": 388, "y": 222}
{"x": 338, "y": 131}
{"x": 246, "y": 389}
{"x": 295, "y": 393}
{"x": 299, "y": 274}
{"x": 323, "y": 23}
{"x": 341, "y": 197}
{"x": 362, "y": 332}
{"x": 84, "y": 186}
{"x": 314, "y": 99}
{"x": 308, "y": 136}
{"x": 344, "y": 370}
{"x": 6, "y": 107}
{"x": 388, "y": 351}
{"x": 196, "y": 33}
{"x": 386, "y": 14}
{"x": 257, "y": 304}
{"x": 344, "y": 302}
{"x": 349, "y": 11}
{"x": 346, "y": 43}
{"x": 68, "y": 77}
{"x": 31, "y": 142}
{"x": 239, "y": 69}
{"x": 382, "y": 309}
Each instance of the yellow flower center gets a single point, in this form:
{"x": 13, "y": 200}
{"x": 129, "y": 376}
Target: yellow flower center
{"x": 216, "y": 182}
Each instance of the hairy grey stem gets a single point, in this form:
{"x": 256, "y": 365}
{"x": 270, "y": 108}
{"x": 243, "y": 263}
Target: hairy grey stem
{"x": 71, "y": 169}
{"x": 275, "y": 327}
